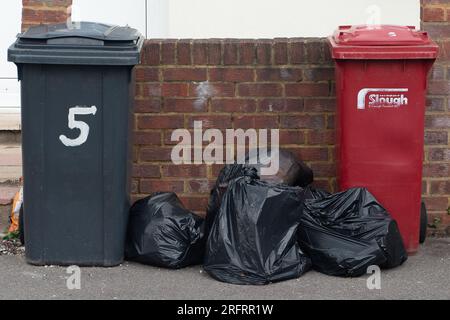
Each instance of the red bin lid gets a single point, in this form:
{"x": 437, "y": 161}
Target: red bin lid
{"x": 381, "y": 42}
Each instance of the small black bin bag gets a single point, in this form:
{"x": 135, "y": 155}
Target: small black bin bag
{"x": 253, "y": 238}
{"x": 161, "y": 232}
{"x": 346, "y": 232}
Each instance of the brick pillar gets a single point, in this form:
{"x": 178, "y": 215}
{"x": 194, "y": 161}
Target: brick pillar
{"x": 36, "y": 12}
{"x": 435, "y": 19}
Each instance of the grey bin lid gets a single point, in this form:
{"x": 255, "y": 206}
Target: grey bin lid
{"x": 82, "y": 43}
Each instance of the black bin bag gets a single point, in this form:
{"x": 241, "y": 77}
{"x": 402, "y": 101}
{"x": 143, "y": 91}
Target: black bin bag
{"x": 161, "y": 232}
{"x": 226, "y": 175}
{"x": 312, "y": 193}
{"x": 346, "y": 232}
{"x": 253, "y": 238}
{"x": 291, "y": 171}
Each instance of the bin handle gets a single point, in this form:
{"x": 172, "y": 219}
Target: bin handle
{"x": 110, "y": 30}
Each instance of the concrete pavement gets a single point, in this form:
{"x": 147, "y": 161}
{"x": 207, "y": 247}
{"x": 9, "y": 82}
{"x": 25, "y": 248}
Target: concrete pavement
{"x": 423, "y": 276}
{"x": 10, "y": 173}
{"x": 10, "y": 162}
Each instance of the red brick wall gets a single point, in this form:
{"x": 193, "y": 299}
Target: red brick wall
{"x": 435, "y": 16}
{"x": 44, "y": 11}
{"x": 279, "y": 83}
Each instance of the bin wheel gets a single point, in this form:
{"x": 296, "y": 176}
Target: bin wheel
{"x": 21, "y": 227}
{"x": 423, "y": 223}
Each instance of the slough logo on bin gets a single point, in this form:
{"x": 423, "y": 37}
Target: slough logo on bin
{"x": 382, "y": 98}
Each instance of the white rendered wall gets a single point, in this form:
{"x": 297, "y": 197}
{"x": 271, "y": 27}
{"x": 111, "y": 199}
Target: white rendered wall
{"x": 281, "y": 18}
{"x": 245, "y": 18}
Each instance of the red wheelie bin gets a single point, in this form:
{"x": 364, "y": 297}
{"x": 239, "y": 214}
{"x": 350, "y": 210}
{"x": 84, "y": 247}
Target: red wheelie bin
{"x": 381, "y": 79}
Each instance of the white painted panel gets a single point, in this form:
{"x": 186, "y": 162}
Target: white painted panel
{"x": 120, "y": 12}
{"x": 10, "y": 21}
{"x": 9, "y": 94}
{"x": 282, "y": 18}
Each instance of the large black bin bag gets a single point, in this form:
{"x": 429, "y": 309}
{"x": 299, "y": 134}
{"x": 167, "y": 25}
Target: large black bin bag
{"x": 226, "y": 175}
{"x": 292, "y": 172}
{"x": 161, "y": 232}
{"x": 347, "y": 232}
{"x": 253, "y": 238}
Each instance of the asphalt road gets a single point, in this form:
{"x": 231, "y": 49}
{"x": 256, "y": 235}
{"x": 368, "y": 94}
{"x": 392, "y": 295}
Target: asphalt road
{"x": 424, "y": 276}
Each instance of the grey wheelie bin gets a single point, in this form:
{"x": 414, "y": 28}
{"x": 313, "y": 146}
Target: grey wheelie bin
{"x": 76, "y": 88}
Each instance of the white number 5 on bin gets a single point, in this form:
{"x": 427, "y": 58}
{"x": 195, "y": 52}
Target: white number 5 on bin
{"x": 76, "y": 124}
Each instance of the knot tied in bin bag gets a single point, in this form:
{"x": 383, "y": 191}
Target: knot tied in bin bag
{"x": 347, "y": 232}
{"x": 161, "y": 232}
{"x": 253, "y": 237}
